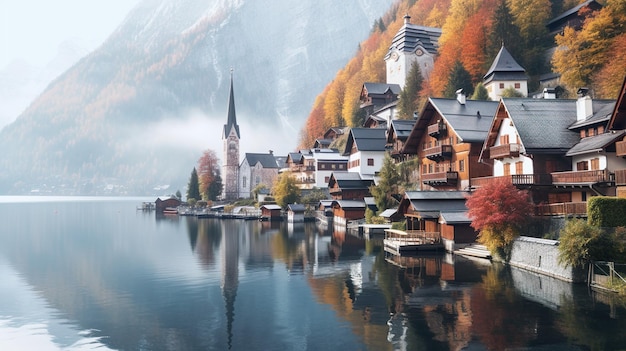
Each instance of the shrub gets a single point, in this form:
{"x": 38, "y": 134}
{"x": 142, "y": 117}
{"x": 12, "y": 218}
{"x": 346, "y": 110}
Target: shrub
{"x": 606, "y": 211}
{"x": 582, "y": 243}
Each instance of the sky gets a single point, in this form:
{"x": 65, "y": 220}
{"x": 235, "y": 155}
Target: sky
{"x": 33, "y": 30}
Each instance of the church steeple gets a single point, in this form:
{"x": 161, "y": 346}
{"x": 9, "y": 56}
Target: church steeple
{"x": 232, "y": 116}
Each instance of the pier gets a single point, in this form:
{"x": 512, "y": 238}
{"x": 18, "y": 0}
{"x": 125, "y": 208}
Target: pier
{"x": 400, "y": 241}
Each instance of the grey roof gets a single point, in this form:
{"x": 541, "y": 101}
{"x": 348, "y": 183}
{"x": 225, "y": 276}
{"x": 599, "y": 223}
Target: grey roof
{"x": 572, "y": 11}
{"x": 336, "y": 130}
{"x": 602, "y": 110}
{"x": 470, "y": 121}
{"x": 402, "y": 128}
{"x": 271, "y": 207}
{"x": 296, "y": 157}
{"x": 436, "y": 195}
{"x": 296, "y": 207}
{"x": 382, "y": 88}
{"x": 438, "y": 206}
{"x": 232, "y": 116}
{"x": 504, "y": 67}
{"x": 322, "y": 142}
{"x": 542, "y": 124}
{"x": 388, "y": 213}
{"x": 366, "y": 139}
{"x": 350, "y": 180}
{"x": 595, "y": 143}
{"x": 455, "y": 217}
{"x": 350, "y": 203}
{"x": 410, "y": 36}
{"x": 266, "y": 160}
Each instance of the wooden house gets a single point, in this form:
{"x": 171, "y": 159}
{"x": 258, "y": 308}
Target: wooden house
{"x": 440, "y": 212}
{"x": 365, "y": 149}
{"x": 505, "y": 73}
{"x": 349, "y": 186}
{"x": 397, "y": 134}
{"x": 271, "y": 212}
{"x": 376, "y": 95}
{"x": 574, "y": 17}
{"x": 448, "y": 137}
{"x": 618, "y": 122}
{"x": 348, "y": 210}
{"x": 295, "y": 213}
{"x": 169, "y": 203}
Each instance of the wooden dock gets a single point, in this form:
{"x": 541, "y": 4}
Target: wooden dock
{"x": 399, "y": 241}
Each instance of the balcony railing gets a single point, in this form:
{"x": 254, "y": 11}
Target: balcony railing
{"x": 620, "y": 148}
{"x": 504, "y": 151}
{"x": 440, "y": 178}
{"x": 437, "y": 129}
{"x": 576, "y": 177}
{"x": 438, "y": 153}
{"x": 516, "y": 179}
{"x": 562, "y": 209}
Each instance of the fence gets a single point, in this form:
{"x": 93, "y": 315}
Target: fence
{"x": 607, "y": 275}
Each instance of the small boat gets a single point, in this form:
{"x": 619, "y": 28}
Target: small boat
{"x": 170, "y": 211}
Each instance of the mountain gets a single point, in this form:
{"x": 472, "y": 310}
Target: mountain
{"x": 136, "y": 114}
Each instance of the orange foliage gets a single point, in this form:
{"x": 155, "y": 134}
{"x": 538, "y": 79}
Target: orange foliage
{"x": 609, "y": 79}
{"x": 474, "y": 39}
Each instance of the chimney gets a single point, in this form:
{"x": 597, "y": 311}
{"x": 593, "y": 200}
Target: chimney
{"x": 584, "y": 105}
{"x": 407, "y": 19}
{"x": 271, "y": 152}
{"x": 549, "y": 93}
{"x": 460, "y": 97}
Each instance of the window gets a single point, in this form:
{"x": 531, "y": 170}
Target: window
{"x": 507, "y": 169}
{"x": 517, "y": 85}
{"x": 326, "y": 179}
{"x": 519, "y": 167}
{"x": 332, "y": 166}
{"x": 504, "y": 139}
{"x": 370, "y": 161}
{"x": 341, "y": 166}
{"x": 244, "y": 181}
{"x": 595, "y": 164}
{"x": 501, "y": 85}
{"x": 582, "y": 166}
{"x": 462, "y": 166}
{"x": 258, "y": 180}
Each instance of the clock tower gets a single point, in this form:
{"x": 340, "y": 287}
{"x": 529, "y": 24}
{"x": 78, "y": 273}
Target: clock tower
{"x": 230, "y": 160}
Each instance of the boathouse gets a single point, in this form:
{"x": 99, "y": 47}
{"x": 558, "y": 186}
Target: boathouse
{"x": 271, "y": 212}
{"x": 295, "y": 213}
{"x": 161, "y": 205}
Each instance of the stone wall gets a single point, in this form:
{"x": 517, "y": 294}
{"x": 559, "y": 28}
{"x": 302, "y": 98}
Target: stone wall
{"x": 541, "y": 256}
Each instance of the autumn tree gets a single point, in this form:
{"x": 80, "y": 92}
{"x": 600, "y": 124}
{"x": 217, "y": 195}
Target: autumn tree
{"x": 208, "y": 172}
{"x": 459, "y": 78}
{"x": 193, "y": 187}
{"x": 408, "y": 103}
{"x": 480, "y": 93}
{"x": 387, "y": 185}
{"x": 497, "y": 210}
{"x": 285, "y": 190}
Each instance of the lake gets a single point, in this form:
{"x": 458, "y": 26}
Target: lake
{"x": 95, "y": 273}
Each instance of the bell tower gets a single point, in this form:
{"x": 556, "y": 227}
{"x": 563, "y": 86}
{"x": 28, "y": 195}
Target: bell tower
{"x": 230, "y": 161}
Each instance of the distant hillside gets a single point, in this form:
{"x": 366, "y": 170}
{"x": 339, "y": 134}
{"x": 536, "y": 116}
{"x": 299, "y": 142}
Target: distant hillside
{"x": 137, "y": 113}
{"x": 472, "y": 33}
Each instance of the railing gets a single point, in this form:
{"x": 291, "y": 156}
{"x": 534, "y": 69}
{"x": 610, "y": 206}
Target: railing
{"x": 440, "y": 178}
{"x": 516, "y": 179}
{"x": 438, "y": 152}
{"x": 437, "y": 129}
{"x": 608, "y": 275}
{"x": 620, "y": 148}
{"x": 562, "y": 209}
{"x": 575, "y": 177}
{"x": 412, "y": 237}
{"x": 504, "y": 151}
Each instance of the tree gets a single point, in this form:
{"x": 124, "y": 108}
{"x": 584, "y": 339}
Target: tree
{"x": 409, "y": 96}
{"x": 193, "y": 187}
{"x": 208, "y": 171}
{"x": 497, "y": 210}
{"x": 215, "y": 188}
{"x": 511, "y": 92}
{"x": 503, "y": 32}
{"x": 285, "y": 190}
{"x": 580, "y": 243}
{"x": 459, "y": 78}
{"x": 480, "y": 93}
{"x": 387, "y": 186}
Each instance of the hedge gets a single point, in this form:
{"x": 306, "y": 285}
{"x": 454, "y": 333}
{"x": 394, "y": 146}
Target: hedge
{"x": 606, "y": 211}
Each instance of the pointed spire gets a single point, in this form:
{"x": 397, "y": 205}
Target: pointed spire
{"x": 504, "y": 63}
{"x": 232, "y": 116}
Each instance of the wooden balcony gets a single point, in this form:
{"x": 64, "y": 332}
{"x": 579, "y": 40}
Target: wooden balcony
{"x": 562, "y": 209}
{"x": 440, "y": 178}
{"x": 438, "y": 153}
{"x": 583, "y": 177}
{"x": 438, "y": 129}
{"x": 620, "y": 148}
{"x": 519, "y": 180}
{"x": 504, "y": 151}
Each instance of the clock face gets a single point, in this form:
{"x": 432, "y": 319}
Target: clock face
{"x": 419, "y": 52}
{"x": 395, "y": 56}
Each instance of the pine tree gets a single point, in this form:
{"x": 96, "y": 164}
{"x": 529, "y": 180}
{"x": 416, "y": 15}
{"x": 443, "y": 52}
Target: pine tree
{"x": 480, "y": 93}
{"x": 215, "y": 188}
{"x": 409, "y": 96}
{"x": 504, "y": 32}
{"x": 459, "y": 79}
{"x": 387, "y": 186}
{"x": 193, "y": 188}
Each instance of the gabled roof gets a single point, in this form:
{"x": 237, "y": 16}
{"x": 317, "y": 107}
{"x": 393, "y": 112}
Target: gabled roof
{"x": 592, "y": 3}
{"x": 322, "y": 143}
{"x": 271, "y": 207}
{"x": 351, "y": 204}
{"x": 401, "y": 128}
{"x": 596, "y": 143}
{"x": 349, "y": 180}
{"x": 455, "y": 217}
{"x": 430, "y": 204}
{"x": 232, "y": 116}
{"x": 602, "y": 110}
{"x": 542, "y": 124}
{"x": 266, "y": 160}
{"x": 436, "y": 195}
{"x": 295, "y": 157}
{"x": 382, "y": 88}
{"x": 296, "y": 207}
{"x": 411, "y": 36}
{"x": 618, "y": 116}
{"x": 375, "y": 120}
{"x": 469, "y": 121}
{"x": 334, "y": 130}
{"x": 504, "y": 67}
{"x": 366, "y": 139}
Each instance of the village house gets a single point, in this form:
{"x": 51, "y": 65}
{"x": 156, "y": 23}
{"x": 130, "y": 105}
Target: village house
{"x": 397, "y": 135}
{"x": 312, "y": 168}
{"x": 505, "y": 73}
{"x": 349, "y": 186}
{"x": 366, "y": 150}
{"x": 257, "y": 169}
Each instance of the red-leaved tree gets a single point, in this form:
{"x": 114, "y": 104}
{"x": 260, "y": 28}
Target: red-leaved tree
{"x": 208, "y": 171}
{"x": 497, "y": 210}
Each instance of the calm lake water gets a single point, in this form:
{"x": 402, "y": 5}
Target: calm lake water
{"x": 88, "y": 273}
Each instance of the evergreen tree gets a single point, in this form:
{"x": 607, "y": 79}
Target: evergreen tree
{"x": 480, "y": 93}
{"x": 459, "y": 79}
{"x": 193, "y": 188}
{"x": 215, "y": 188}
{"x": 387, "y": 185}
{"x": 409, "y": 96}
{"x": 504, "y": 32}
